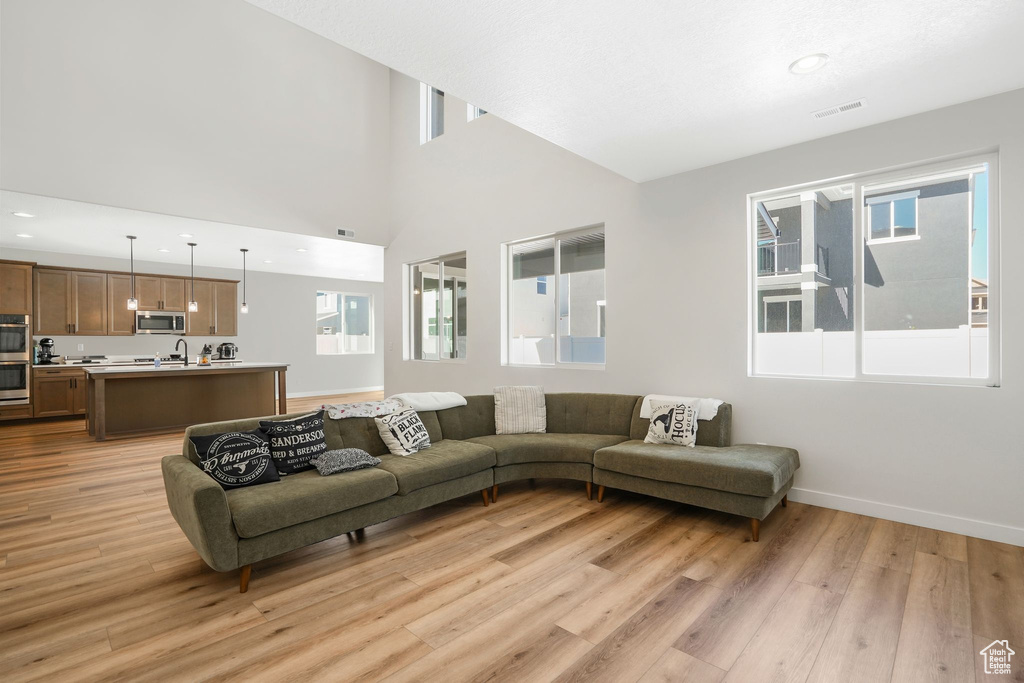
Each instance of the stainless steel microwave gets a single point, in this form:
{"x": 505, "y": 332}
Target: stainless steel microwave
{"x": 159, "y": 322}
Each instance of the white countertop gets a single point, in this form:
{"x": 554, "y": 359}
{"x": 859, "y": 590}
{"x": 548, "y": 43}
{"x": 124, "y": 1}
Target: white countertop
{"x": 123, "y": 362}
{"x": 178, "y": 369}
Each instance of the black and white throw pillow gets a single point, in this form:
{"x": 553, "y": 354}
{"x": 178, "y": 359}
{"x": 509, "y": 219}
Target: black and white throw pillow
{"x": 344, "y": 460}
{"x": 294, "y": 443}
{"x": 403, "y": 433}
{"x": 674, "y": 424}
{"x": 236, "y": 459}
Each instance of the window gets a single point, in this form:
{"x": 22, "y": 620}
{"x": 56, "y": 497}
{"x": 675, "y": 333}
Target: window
{"x": 892, "y": 217}
{"x": 344, "y": 323}
{"x": 555, "y": 303}
{"x": 473, "y": 112}
{"x": 885, "y": 277}
{"x": 431, "y": 113}
{"x": 438, "y": 293}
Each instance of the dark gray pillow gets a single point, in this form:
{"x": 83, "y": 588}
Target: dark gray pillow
{"x": 344, "y": 460}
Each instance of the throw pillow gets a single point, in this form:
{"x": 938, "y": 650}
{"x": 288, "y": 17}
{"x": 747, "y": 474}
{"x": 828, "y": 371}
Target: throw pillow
{"x": 344, "y": 460}
{"x": 403, "y": 433}
{"x": 236, "y": 459}
{"x": 520, "y": 410}
{"x": 294, "y": 443}
{"x": 339, "y": 411}
{"x": 674, "y": 424}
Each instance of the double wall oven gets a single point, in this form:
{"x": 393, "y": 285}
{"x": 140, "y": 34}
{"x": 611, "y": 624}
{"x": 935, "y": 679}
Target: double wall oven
{"x": 15, "y": 359}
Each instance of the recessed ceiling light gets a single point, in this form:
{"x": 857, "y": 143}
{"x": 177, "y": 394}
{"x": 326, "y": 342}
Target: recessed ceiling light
{"x": 806, "y": 65}
{"x": 164, "y": 251}
{"x": 268, "y": 261}
{"x": 185, "y": 235}
{"x": 22, "y": 214}
{"x": 300, "y": 249}
{"x": 21, "y": 234}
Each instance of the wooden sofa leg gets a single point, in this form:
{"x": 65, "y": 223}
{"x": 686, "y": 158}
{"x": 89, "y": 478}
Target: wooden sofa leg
{"x": 494, "y": 493}
{"x": 486, "y": 499}
{"x": 360, "y": 534}
{"x": 785, "y": 500}
{"x": 600, "y": 493}
{"x": 243, "y": 583}
{"x": 590, "y": 492}
{"x": 755, "y": 529}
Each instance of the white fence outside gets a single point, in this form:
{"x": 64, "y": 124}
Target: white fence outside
{"x": 961, "y": 352}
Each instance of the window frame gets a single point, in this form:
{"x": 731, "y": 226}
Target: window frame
{"x": 895, "y": 177}
{"x": 341, "y": 314}
{"x": 891, "y": 200}
{"x": 474, "y": 112}
{"x": 553, "y": 285}
{"x": 427, "y": 113}
{"x": 409, "y": 309}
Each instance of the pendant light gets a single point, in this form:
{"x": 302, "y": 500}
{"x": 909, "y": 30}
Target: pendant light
{"x": 193, "y": 306}
{"x": 245, "y": 306}
{"x": 133, "y": 303}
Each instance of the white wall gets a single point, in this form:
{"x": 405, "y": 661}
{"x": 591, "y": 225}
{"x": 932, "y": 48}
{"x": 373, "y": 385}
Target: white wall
{"x": 279, "y": 326}
{"x": 944, "y": 457}
{"x": 212, "y": 110}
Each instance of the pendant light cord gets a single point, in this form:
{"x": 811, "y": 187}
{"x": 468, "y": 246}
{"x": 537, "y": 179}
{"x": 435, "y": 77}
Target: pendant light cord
{"x": 131, "y": 259}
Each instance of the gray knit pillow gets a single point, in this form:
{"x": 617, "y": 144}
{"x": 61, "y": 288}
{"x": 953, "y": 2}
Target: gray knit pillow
{"x": 344, "y": 460}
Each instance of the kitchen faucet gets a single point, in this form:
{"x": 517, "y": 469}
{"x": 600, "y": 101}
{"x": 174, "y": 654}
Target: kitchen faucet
{"x": 182, "y": 341}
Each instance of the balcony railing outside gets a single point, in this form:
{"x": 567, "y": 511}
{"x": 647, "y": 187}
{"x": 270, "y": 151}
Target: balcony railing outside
{"x": 779, "y": 258}
{"x": 784, "y": 257}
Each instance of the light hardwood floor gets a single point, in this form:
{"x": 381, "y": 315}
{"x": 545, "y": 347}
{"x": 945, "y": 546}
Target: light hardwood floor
{"x": 98, "y": 583}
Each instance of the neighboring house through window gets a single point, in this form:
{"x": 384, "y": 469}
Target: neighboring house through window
{"x": 555, "y": 299}
{"x": 915, "y": 303}
{"x": 344, "y": 323}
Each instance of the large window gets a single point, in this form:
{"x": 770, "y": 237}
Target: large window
{"x": 888, "y": 276}
{"x": 437, "y": 305}
{"x": 344, "y": 323}
{"x": 431, "y": 113}
{"x": 556, "y": 300}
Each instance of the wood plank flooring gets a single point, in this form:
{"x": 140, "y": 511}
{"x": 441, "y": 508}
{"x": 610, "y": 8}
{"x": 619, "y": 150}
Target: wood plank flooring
{"x": 98, "y": 583}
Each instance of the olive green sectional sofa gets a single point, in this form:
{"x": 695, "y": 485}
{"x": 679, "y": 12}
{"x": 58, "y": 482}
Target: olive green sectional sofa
{"x": 593, "y": 438}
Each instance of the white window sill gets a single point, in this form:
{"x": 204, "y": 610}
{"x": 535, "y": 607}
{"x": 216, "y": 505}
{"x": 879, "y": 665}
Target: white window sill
{"x": 890, "y": 240}
{"x": 461, "y": 361}
{"x": 349, "y": 353}
{"x": 552, "y": 366}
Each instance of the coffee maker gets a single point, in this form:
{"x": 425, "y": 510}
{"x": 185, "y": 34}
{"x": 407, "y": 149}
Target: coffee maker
{"x": 46, "y": 354}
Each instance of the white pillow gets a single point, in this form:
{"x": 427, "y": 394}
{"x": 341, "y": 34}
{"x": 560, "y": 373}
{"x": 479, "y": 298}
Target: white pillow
{"x": 403, "y": 432}
{"x": 520, "y": 410}
{"x": 674, "y": 424}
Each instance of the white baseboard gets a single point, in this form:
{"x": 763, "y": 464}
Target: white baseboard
{"x": 332, "y": 392}
{"x": 924, "y": 518}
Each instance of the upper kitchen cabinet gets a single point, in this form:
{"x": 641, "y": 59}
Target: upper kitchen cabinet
{"x": 120, "y": 320}
{"x": 217, "y": 314}
{"x": 16, "y": 288}
{"x": 201, "y": 321}
{"x": 53, "y": 301}
{"x": 226, "y": 296}
{"x": 69, "y": 302}
{"x": 160, "y": 293}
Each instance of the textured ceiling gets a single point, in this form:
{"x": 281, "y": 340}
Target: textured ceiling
{"x": 652, "y": 88}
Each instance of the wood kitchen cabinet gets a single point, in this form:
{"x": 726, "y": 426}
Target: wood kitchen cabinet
{"x": 69, "y": 302}
{"x": 16, "y": 288}
{"x": 217, "y": 314}
{"x": 160, "y": 293}
{"x": 58, "y": 391}
{"x": 120, "y": 321}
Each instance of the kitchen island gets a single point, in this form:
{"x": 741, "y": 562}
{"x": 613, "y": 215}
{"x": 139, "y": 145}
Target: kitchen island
{"x": 139, "y": 399}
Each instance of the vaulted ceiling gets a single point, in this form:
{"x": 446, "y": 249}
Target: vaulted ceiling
{"x": 654, "y": 88}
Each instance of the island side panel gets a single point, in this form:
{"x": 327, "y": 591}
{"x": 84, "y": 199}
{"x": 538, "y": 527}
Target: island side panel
{"x": 145, "y": 403}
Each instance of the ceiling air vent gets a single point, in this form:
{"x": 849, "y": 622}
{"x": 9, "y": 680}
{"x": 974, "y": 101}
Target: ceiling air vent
{"x": 347, "y": 234}
{"x": 839, "y": 109}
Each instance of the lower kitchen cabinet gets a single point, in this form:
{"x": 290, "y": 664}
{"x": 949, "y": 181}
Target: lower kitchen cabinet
{"x": 58, "y": 391}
